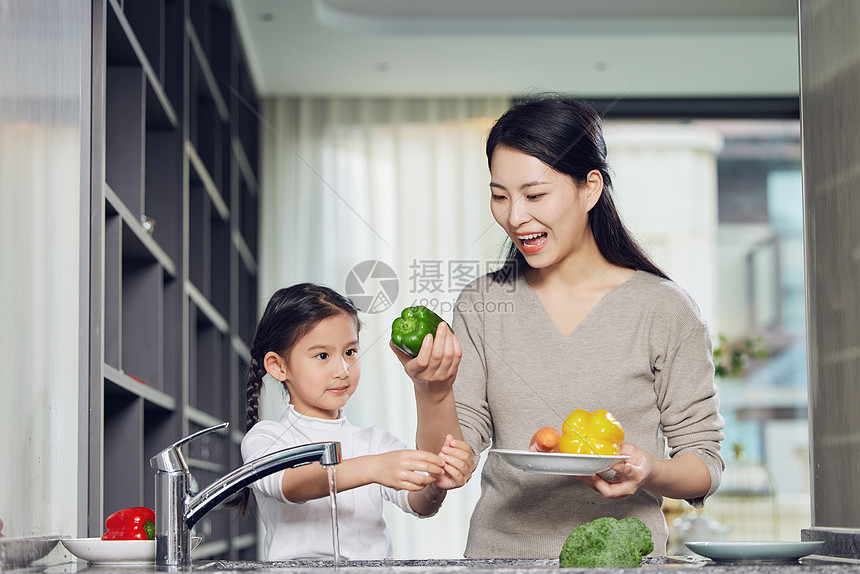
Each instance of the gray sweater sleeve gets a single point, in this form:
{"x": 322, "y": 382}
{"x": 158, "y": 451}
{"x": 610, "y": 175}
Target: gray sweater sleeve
{"x": 687, "y": 398}
{"x": 470, "y": 390}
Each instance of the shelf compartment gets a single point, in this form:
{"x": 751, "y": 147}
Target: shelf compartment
{"x": 242, "y": 350}
{"x": 248, "y": 218}
{"x": 162, "y": 200}
{"x": 174, "y": 298}
{"x": 245, "y": 168}
{"x": 151, "y": 396}
{"x": 124, "y": 49}
{"x": 208, "y": 124}
{"x": 160, "y": 429}
{"x": 199, "y": 230}
{"x": 134, "y": 279}
{"x": 210, "y": 371}
{"x": 157, "y": 26}
{"x": 123, "y": 449}
{"x": 147, "y": 20}
{"x": 219, "y": 267}
{"x": 247, "y": 303}
{"x": 112, "y": 287}
{"x": 203, "y": 305}
{"x": 220, "y": 52}
{"x": 225, "y": 163}
{"x": 125, "y": 105}
{"x": 209, "y": 247}
{"x": 141, "y": 316}
{"x": 245, "y": 113}
{"x": 206, "y": 82}
{"x": 209, "y": 38}
{"x": 206, "y": 135}
{"x": 141, "y": 143}
{"x": 199, "y": 174}
{"x": 246, "y": 256}
{"x": 174, "y": 41}
{"x": 114, "y": 205}
{"x": 199, "y": 24}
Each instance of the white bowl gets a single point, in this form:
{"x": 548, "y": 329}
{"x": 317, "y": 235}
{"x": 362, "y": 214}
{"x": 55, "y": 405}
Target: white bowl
{"x": 98, "y": 551}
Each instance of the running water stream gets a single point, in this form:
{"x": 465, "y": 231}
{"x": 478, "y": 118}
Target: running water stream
{"x": 332, "y": 493}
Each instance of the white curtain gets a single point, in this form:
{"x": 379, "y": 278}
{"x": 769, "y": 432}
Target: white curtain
{"x": 354, "y": 186}
{"x": 44, "y": 144}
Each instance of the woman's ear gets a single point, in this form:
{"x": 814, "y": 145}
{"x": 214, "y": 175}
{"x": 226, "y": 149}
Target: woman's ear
{"x": 593, "y": 188}
{"x": 276, "y": 366}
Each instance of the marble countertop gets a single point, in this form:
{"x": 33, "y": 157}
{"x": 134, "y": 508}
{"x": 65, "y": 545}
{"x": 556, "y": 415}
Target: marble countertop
{"x": 51, "y": 557}
{"x": 499, "y": 566}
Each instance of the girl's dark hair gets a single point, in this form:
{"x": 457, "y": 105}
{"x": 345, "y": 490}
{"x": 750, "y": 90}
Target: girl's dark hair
{"x": 290, "y": 315}
{"x": 565, "y": 134}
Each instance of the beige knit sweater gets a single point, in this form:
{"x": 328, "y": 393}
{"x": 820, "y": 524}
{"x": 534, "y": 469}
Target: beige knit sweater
{"x": 643, "y": 354}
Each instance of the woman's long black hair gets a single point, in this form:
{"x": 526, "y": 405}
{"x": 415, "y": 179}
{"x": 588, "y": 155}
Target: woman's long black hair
{"x": 290, "y": 315}
{"x": 565, "y": 134}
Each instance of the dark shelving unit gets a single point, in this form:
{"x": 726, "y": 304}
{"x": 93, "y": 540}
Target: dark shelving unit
{"x": 174, "y": 242}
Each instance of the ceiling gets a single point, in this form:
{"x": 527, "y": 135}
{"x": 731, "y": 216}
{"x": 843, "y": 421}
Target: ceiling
{"x": 592, "y": 48}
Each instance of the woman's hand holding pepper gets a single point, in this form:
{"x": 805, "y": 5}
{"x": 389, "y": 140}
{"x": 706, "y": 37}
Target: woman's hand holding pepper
{"x": 433, "y": 372}
{"x": 435, "y": 367}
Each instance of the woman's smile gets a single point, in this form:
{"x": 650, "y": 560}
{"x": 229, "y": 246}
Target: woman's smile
{"x": 531, "y": 242}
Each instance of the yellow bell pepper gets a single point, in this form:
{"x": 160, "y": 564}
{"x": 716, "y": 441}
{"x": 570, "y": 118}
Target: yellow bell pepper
{"x": 591, "y": 433}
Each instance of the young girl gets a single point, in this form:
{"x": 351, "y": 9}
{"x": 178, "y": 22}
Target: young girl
{"x": 307, "y": 340}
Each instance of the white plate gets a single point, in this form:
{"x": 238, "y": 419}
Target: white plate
{"x": 755, "y": 550}
{"x": 98, "y": 551}
{"x": 559, "y": 463}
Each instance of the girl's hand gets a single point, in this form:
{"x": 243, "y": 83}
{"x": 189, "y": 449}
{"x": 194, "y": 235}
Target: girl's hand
{"x": 435, "y": 367}
{"x": 630, "y": 475}
{"x": 406, "y": 469}
{"x": 458, "y": 465}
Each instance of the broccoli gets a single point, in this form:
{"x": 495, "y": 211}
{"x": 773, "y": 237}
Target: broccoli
{"x": 607, "y": 543}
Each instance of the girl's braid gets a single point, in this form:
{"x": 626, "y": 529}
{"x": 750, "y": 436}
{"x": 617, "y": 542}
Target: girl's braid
{"x": 253, "y": 386}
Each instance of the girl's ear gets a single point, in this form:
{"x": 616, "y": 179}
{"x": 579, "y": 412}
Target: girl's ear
{"x": 276, "y": 366}
{"x": 593, "y": 188}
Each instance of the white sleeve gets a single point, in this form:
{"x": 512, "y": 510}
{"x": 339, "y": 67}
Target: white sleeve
{"x": 383, "y": 441}
{"x": 259, "y": 441}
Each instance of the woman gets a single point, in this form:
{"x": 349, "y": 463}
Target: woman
{"x": 579, "y": 317}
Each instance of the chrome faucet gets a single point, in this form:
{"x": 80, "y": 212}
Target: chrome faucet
{"x": 177, "y": 509}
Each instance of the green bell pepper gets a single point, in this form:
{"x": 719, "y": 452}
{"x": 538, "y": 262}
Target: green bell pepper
{"x": 408, "y": 330}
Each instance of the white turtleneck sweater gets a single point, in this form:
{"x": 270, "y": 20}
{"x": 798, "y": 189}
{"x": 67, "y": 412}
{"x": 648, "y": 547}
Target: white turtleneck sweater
{"x": 304, "y": 530}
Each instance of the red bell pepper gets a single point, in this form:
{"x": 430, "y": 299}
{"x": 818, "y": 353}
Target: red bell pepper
{"x": 137, "y": 523}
